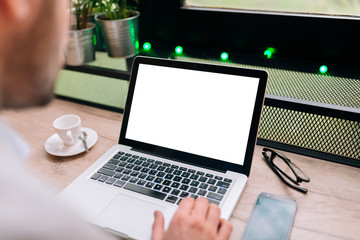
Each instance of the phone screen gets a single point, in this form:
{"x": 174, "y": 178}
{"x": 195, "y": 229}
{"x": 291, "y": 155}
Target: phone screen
{"x": 272, "y": 218}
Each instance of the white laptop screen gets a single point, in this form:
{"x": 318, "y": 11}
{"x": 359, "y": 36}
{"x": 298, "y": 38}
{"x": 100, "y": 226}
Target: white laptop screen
{"x": 203, "y": 113}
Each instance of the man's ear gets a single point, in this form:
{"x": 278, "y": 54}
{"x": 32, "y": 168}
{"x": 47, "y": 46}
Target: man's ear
{"x": 15, "y": 10}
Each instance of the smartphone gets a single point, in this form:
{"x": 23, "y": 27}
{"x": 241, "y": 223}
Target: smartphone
{"x": 272, "y": 218}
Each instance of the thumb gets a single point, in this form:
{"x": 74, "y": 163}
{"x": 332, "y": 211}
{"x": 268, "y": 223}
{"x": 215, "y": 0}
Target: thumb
{"x": 158, "y": 226}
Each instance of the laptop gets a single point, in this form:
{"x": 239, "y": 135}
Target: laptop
{"x": 188, "y": 130}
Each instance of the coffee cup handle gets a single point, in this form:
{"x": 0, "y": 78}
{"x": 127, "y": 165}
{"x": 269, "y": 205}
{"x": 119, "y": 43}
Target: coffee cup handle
{"x": 70, "y": 136}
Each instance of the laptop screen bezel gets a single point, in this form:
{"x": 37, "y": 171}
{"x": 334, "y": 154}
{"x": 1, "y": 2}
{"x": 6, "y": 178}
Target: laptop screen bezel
{"x": 187, "y": 157}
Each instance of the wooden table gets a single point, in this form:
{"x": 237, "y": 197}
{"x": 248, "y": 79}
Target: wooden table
{"x": 330, "y": 210}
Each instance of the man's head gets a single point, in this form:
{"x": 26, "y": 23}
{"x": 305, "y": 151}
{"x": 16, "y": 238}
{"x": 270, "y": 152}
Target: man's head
{"x": 33, "y": 34}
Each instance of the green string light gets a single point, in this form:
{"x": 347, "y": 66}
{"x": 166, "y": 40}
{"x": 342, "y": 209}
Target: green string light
{"x": 147, "y": 46}
{"x": 224, "y": 56}
{"x": 269, "y": 52}
{"x": 179, "y": 50}
{"x": 323, "y": 69}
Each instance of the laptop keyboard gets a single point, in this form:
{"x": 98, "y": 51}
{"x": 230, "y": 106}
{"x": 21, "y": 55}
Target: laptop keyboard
{"x": 161, "y": 180}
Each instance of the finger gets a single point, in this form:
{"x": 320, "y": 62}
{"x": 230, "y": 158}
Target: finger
{"x": 158, "y": 226}
{"x": 201, "y": 207}
{"x": 186, "y": 205}
{"x": 224, "y": 230}
{"x": 213, "y": 216}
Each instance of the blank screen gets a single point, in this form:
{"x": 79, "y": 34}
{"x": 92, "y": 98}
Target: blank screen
{"x": 203, "y": 113}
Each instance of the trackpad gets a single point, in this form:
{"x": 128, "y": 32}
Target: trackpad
{"x": 130, "y": 216}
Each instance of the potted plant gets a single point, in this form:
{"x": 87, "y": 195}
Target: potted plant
{"x": 119, "y": 26}
{"x": 81, "y": 47}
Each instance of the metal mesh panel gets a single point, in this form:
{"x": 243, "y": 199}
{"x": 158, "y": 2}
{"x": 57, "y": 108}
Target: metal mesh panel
{"x": 319, "y": 133}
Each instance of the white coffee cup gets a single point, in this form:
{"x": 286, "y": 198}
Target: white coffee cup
{"x": 68, "y": 128}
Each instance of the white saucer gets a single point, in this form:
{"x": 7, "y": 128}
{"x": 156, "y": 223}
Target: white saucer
{"x": 55, "y": 146}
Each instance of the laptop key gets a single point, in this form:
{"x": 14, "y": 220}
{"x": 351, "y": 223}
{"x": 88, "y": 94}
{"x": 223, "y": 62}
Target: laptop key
{"x": 142, "y": 175}
{"x": 161, "y": 174}
{"x": 183, "y": 169}
{"x": 169, "y": 170}
{"x": 191, "y": 171}
{"x": 202, "y": 192}
{"x": 158, "y": 162}
{"x": 169, "y": 176}
{"x": 153, "y": 172}
{"x": 119, "y": 183}
{"x": 122, "y": 164}
{"x": 117, "y": 156}
{"x": 211, "y": 181}
{"x": 128, "y": 155}
{"x": 209, "y": 175}
{"x": 166, "y": 189}
{"x": 141, "y": 182}
{"x": 177, "y": 172}
{"x": 150, "y": 178}
{"x": 213, "y": 188}
{"x": 119, "y": 169}
{"x": 228, "y": 180}
{"x": 96, "y": 176}
{"x": 213, "y": 201}
{"x": 175, "y": 185}
{"x": 103, "y": 178}
{"x": 146, "y": 164}
{"x": 222, "y": 191}
{"x": 203, "y": 186}
{"x": 166, "y": 183}
{"x": 203, "y": 179}
{"x": 215, "y": 196}
{"x": 158, "y": 187}
{"x": 125, "y": 178}
{"x": 174, "y": 166}
{"x": 137, "y": 168}
{"x": 120, "y": 153}
{"x": 175, "y": 192}
{"x": 134, "y": 174}
{"x": 166, "y": 164}
{"x": 184, "y": 187}
{"x": 184, "y": 194}
{"x": 193, "y": 190}
{"x": 150, "y": 185}
{"x": 200, "y": 173}
{"x": 186, "y": 181}
{"x": 145, "y": 191}
{"x": 177, "y": 179}
{"x": 107, "y": 172}
{"x": 194, "y": 177}
{"x": 138, "y": 162}
{"x": 223, "y": 184}
{"x": 127, "y": 171}
{"x": 110, "y": 181}
{"x": 185, "y": 174}
{"x": 143, "y": 158}
{"x": 218, "y": 178}
{"x": 161, "y": 168}
{"x": 172, "y": 199}
{"x": 114, "y": 161}
{"x": 158, "y": 180}
{"x": 194, "y": 183}
{"x": 118, "y": 175}
{"x": 133, "y": 180}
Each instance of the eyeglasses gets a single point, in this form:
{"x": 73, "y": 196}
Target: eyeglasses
{"x": 283, "y": 170}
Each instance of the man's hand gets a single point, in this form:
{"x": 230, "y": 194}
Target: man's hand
{"x": 193, "y": 220}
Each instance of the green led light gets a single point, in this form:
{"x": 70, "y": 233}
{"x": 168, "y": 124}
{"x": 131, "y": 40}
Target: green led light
{"x": 224, "y": 56}
{"x": 95, "y": 40}
{"x": 137, "y": 45}
{"x": 269, "y": 52}
{"x": 147, "y": 46}
{"x": 323, "y": 69}
{"x": 179, "y": 50}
